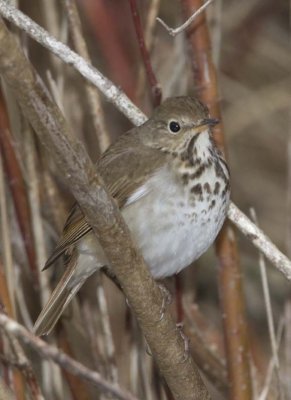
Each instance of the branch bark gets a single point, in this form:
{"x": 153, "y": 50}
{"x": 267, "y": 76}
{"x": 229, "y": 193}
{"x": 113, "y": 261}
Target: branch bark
{"x": 105, "y": 219}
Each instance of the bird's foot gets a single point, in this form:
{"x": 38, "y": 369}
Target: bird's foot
{"x": 167, "y": 300}
{"x": 186, "y": 340}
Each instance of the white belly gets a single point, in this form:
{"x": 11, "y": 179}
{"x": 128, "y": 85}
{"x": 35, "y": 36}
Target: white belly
{"x": 165, "y": 226}
{"x": 169, "y": 231}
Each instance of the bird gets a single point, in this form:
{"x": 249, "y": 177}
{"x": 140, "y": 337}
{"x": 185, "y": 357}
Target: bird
{"x": 172, "y": 186}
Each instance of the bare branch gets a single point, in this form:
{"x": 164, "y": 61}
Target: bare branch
{"x": 260, "y": 240}
{"x": 39, "y": 34}
{"x": 52, "y": 353}
{"x": 176, "y": 31}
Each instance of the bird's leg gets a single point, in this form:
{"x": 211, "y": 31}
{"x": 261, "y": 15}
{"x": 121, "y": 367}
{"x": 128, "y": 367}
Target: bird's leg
{"x": 167, "y": 299}
{"x": 186, "y": 340}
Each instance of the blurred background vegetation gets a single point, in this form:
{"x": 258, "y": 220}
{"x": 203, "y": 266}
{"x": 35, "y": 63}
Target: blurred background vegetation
{"x": 250, "y": 45}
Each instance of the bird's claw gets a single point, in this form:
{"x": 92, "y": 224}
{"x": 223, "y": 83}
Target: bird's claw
{"x": 167, "y": 299}
{"x": 186, "y": 340}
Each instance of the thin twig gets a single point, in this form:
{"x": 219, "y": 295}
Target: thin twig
{"x": 260, "y": 240}
{"x": 176, "y": 31}
{"x": 35, "y": 207}
{"x": 56, "y": 355}
{"x": 155, "y": 87}
{"x": 269, "y": 312}
{"x": 94, "y": 102}
{"x": 267, "y": 299}
{"x": 267, "y": 384}
{"x": 149, "y": 40}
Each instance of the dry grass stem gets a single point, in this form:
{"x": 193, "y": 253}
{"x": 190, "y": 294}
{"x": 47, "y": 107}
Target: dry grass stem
{"x": 94, "y": 101}
{"x": 268, "y": 381}
{"x": 149, "y": 43}
{"x": 35, "y": 207}
{"x": 270, "y": 318}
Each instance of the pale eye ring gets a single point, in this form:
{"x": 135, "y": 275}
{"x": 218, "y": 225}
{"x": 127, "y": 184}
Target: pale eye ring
{"x": 174, "y": 126}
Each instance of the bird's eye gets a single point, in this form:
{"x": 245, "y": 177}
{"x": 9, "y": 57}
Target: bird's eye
{"x": 174, "y": 126}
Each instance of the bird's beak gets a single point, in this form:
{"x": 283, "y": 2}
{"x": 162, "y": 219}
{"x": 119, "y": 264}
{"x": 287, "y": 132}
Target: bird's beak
{"x": 208, "y": 122}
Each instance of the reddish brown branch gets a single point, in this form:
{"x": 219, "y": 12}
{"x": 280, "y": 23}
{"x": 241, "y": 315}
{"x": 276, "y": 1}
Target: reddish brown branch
{"x": 155, "y": 87}
{"x": 230, "y": 282}
{"x": 78, "y": 388}
{"x": 109, "y": 29}
{"x": 23, "y": 367}
{"x": 202, "y": 66}
{"x": 17, "y": 185}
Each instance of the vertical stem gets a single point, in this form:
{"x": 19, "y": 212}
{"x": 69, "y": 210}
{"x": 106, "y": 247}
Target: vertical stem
{"x": 94, "y": 102}
{"x": 155, "y": 87}
{"x": 229, "y": 273}
{"x": 17, "y": 186}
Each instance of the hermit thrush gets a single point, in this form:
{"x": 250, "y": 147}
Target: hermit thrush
{"x": 172, "y": 186}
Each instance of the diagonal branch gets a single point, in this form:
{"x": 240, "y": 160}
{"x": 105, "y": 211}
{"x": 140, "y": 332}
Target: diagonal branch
{"x": 67, "y": 55}
{"x": 52, "y": 353}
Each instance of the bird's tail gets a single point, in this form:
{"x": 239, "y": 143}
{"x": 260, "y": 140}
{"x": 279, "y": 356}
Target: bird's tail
{"x": 60, "y": 298}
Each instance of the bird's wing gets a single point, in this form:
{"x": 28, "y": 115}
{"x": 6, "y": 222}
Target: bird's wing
{"x": 124, "y": 169}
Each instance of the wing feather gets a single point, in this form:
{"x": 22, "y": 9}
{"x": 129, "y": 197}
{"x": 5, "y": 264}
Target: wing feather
{"x": 124, "y": 171}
